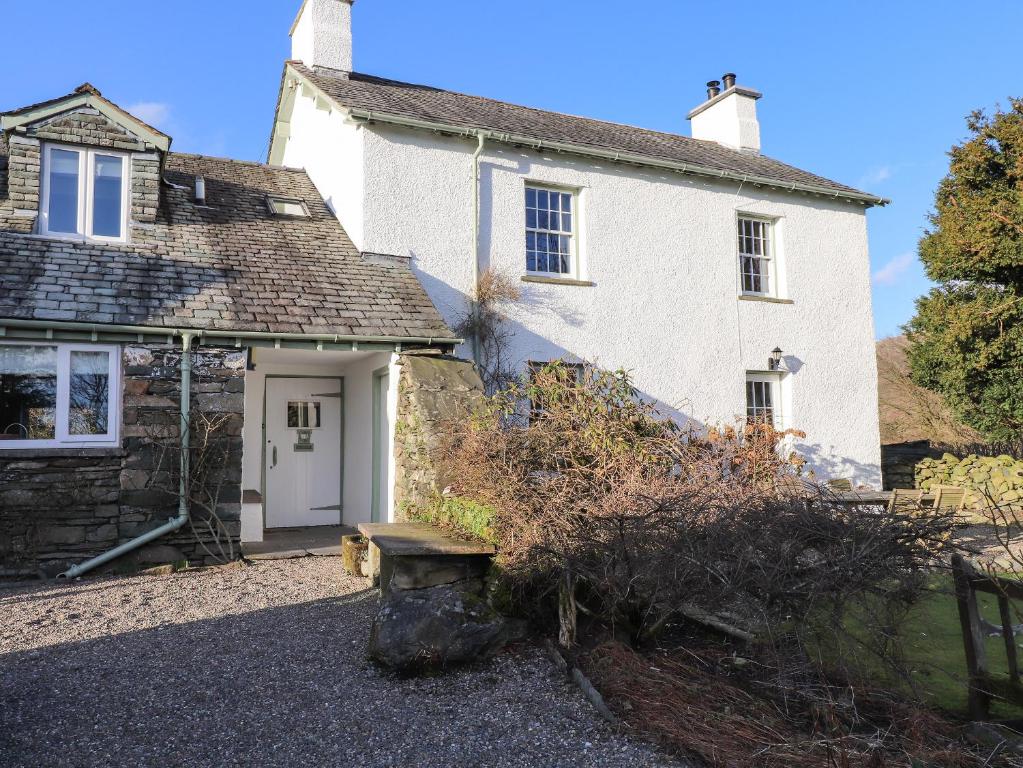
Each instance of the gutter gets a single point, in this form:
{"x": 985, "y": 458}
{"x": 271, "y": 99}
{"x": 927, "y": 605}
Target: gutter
{"x": 368, "y": 116}
{"x": 238, "y": 336}
{"x": 474, "y": 299}
{"x": 184, "y": 468}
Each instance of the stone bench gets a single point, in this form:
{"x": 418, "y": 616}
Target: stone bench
{"x": 433, "y": 607}
{"x": 419, "y": 555}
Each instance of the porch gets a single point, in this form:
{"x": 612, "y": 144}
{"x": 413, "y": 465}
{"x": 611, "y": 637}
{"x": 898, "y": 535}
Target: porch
{"x": 317, "y": 447}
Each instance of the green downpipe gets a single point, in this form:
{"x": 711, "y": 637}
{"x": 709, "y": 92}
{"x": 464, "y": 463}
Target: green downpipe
{"x": 473, "y": 303}
{"x": 185, "y": 465}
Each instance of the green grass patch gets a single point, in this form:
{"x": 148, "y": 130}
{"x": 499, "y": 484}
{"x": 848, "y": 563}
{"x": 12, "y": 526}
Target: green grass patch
{"x": 932, "y": 650}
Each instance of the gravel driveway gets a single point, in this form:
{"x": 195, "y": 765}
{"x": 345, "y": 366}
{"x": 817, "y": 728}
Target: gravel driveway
{"x": 264, "y": 666}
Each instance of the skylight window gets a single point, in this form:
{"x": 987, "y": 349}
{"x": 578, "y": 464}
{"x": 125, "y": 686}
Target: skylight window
{"x": 287, "y": 206}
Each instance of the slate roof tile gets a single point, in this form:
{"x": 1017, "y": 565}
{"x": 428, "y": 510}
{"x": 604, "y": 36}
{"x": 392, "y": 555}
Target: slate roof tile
{"x": 231, "y": 265}
{"x": 392, "y": 97}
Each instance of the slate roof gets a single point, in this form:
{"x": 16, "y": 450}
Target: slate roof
{"x": 229, "y": 266}
{"x": 391, "y": 97}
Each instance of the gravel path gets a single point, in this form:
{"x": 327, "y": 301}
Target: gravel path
{"x": 264, "y": 666}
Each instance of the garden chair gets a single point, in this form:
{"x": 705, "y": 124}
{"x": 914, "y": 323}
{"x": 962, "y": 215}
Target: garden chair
{"x": 950, "y": 498}
{"x": 840, "y": 484}
{"x": 905, "y": 499}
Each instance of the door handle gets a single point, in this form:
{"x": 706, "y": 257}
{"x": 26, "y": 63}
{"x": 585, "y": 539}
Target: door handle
{"x": 274, "y": 457}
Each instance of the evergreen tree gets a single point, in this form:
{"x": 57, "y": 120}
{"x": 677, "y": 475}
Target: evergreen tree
{"x": 967, "y": 335}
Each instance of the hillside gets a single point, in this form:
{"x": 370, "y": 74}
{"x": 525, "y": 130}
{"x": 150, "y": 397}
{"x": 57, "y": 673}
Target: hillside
{"x": 909, "y": 412}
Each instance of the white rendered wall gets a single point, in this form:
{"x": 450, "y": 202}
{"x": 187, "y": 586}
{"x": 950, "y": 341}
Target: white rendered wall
{"x": 356, "y": 369}
{"x": 331, "y": 151}
{"x": 661, "y": 249}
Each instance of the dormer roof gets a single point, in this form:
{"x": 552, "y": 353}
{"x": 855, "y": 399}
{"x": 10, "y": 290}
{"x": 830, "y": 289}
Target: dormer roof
{"x": 85, "y": 95}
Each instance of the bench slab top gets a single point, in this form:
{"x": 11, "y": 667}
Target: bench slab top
{"x": 397, "y": 539}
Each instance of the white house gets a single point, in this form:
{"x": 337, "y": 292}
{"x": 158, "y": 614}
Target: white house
{"x": 689, "y": 261}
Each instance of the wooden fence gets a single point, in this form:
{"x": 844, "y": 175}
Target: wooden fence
{"x": 982, "y": 685}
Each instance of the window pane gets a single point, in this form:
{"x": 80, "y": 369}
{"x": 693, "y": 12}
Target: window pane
{"x": 106, "y": 196}
{"x": 28, "y": 392}
{"x": 547, "y": 250}
{"x": 63, "y": 191}
{"x": 89, "y": 390}
{"x": 303, "y": 414}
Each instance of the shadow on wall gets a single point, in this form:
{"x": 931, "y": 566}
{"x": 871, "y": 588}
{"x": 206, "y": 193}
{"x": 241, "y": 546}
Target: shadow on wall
{"x": 529, "y": 346}
{"x": 826, "y": 465}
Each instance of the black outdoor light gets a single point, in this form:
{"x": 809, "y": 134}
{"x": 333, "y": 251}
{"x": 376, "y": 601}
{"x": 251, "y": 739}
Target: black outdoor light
{"x": 774, "y": 361}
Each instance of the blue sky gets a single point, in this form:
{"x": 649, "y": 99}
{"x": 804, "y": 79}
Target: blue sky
{"x": 868, "y": 93}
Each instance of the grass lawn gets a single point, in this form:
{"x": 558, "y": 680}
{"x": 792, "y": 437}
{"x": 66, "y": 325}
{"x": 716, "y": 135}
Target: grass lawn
{"x": 933, "y": 646}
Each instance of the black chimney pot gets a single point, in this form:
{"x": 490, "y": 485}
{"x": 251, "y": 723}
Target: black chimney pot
{"x": 713, "y": 89}
{"x": 729, "y": 80}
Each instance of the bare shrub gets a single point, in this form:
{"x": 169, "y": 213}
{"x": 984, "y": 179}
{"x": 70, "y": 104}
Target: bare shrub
{"x": 643, "y": 522}
{"x": 486, "y": 325}
{"x": 212, "y": 471}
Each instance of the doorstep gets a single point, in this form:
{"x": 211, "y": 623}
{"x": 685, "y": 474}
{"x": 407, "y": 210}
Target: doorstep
{"x": 287, "y": 543}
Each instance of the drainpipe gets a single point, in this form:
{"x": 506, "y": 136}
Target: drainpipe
{"x": 182, "y": 518}
{"x": 482, "y": 137}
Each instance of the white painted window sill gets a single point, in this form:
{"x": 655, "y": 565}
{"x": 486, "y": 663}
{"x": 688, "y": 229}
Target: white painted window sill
{"x": 768, "y": 299}
{"x": 553, "y": 280}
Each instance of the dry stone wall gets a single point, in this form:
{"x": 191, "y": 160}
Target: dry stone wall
{"x": 433, "y": 390}
{"x": 999, "y": 478}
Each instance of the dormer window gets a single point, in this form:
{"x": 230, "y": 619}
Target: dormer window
{"x": 84, "y": 193}
{"x": 287, "y": 206}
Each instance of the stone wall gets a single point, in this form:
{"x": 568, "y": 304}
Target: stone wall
{"x": 62, "y": 506}
{"x": 998, "y": 478}
{"x": 899, "y": 460}
{"x": 432, "y": 391}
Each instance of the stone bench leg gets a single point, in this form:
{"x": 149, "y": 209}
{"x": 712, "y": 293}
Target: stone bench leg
{"x": 386, "y": 572}
{"x": 373, "y": 565}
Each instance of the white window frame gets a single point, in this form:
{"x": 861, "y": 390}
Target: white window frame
{"x": 62, "y": 432}
{"x": 774, "y": 381}
{"x": 574, "y": 268}
{"x": 86, "y": 164}
{"x": 272, "y": 203}
{"x": 772, "y": 274}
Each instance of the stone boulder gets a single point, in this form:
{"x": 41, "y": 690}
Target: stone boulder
{"x": 426, "y": 630}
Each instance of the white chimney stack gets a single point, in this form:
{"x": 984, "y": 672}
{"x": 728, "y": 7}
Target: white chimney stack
{"x": 728, "y": 116}
{"x": 322, "y": 34}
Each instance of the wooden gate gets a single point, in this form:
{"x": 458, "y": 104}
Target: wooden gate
{"x": 982, "y": 685}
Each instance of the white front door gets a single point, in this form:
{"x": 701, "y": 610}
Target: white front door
{"x": 303, "y": 452}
